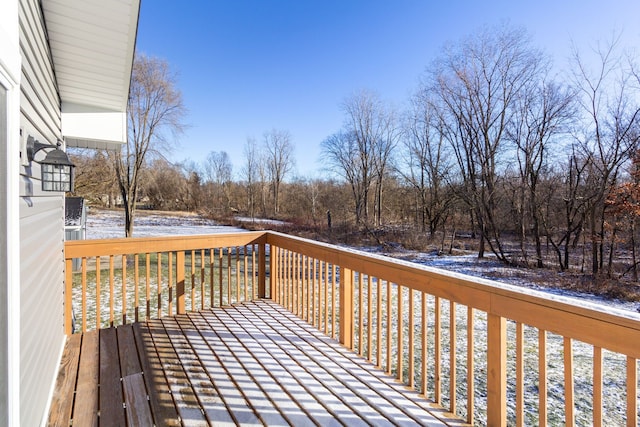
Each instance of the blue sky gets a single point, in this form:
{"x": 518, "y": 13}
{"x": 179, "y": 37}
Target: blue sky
{"x": 245, "y": 67}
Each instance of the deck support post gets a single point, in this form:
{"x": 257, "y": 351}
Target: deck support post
{"x": 497, "y": 370}
{"x": 346, "y": 307}
{"x": 180, "y": 303}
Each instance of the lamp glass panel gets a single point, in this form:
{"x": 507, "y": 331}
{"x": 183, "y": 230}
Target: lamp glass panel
{"x": 56, "y": 177}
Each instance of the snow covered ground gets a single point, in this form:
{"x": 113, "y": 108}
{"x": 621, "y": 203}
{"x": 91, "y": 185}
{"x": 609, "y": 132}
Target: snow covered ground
{"x": 109, "y": 224}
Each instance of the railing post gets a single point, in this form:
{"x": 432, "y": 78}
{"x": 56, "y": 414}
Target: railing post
{"x": 262, "y": 274}
{"x": 180, "y": 303}
{"x": 68, "y": 310}
{"x": 497, "y": 371}
{"x": 346, "y": 307}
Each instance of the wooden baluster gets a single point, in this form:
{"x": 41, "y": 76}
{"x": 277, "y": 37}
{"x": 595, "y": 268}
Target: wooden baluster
{"x": 238, "y": 291}
{"x": 316, "y": 306}
{"x": 170, "y": 288}
{"x": 452, "y": 357}
{"x": 285, "y": 279}
{"x": 400, "y": 335}
{"x": 568, "y": 382}
{"x": 148, "y": 274}
{"x": 159, "y": 278}
{"x": 279, "y": 278}
{"x": 124, "y": 289}
{"x": 212, "y": 259}
{"x": 68, "y": 297}
{"x": 470, "y": 366}
{"x": 519, "y": 374}
{"x": 542, "y": 377}
{"x": 83, "y": 303}
{"x": 597, "y": 386}
{"x": 273, "y": 272}
{"x": 202, "y": 280}
{"x": 310, "y": 278}
{"x": 303, "y": 286}
{"x": 438, "y": 370}
{"x": 411, "y": 370}
{"x": 632, "y": 391}
{"x": 324, "y": 304}
{"x": 220, "y": 282}
{"x": 369, "y": 319}
{"x": 423, "y": 336}
{"x": 229, "y": 278}
{"x": 496, "y": 370}
{"x": 180, "y": 291}
{"x": 136, "y": 287}
{"x": 389, "y": 334}
{"x": 253, "y": 271}
{"x": 262, "y": 273}
{"x": 346, "y": 307}
{"x": 290, "y": 283}
{"x": 98, "y": 291}
{"x": 379, "y": 324}
{"x": 294, "y": 283}
{"x": 333, "y": 301}
{"x": 193, "y": 280}
{"x": 360, "y": 315}
{"x": 111, "y": 291}
{"x": 246, "y": 273}
{"x": 300, "y": 283}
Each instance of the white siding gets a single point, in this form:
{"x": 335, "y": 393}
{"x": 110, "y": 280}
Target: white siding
{"x": 9, "y": 222}
{"x": 41, "y": 225}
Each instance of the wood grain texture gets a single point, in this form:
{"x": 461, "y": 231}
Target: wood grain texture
{"x": 248, "y": 364}
{"x": 61, "y": 405}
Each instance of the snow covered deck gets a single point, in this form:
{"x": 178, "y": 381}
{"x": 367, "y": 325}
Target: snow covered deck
{"x": 487, "y": 352}
{"x": 248, "y": 364}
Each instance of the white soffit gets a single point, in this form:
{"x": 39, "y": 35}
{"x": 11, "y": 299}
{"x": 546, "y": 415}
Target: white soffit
{"x": 92, "y": 45}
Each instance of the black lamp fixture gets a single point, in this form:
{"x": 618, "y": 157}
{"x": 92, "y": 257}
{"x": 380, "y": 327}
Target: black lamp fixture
{"x": 57, "y": 169}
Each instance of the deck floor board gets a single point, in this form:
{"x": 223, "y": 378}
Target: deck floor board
{"x": 250, "y": 364}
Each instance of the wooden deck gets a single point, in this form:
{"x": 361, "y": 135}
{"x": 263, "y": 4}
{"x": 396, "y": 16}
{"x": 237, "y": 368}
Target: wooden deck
{"x": 249, "y": 364}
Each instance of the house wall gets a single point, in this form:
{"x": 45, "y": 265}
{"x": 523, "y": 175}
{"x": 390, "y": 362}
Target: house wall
{"x": 41, "y": 224}
{"x": 9, "y": 223}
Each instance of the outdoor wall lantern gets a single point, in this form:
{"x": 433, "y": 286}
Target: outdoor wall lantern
{"x": 57, "y": 169}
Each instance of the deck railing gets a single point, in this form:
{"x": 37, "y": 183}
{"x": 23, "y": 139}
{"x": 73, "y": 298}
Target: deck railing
{"x": 490, "y": 353}
{"x": 127, "y": 280}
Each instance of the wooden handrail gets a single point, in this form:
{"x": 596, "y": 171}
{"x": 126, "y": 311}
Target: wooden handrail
{"x": 387, "y": 310}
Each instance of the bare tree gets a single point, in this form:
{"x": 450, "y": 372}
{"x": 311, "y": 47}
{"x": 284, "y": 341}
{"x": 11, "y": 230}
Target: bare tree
{"x": 541, "y": 116}
{"x": 94, "y": 177}
{"x": 427, "y": 162}
{"x": 609, "y": 100}
{"x": 218, "y": 170}
{"x": 155, "y": 113}
{"x": 371, "y": 126}
{"x": 279, "y": 156}
{"x": 164, "y": 184}
{"x": 250, "y": 173}
{"x": 348, "y": 161}
{"x": 478, "y": 83}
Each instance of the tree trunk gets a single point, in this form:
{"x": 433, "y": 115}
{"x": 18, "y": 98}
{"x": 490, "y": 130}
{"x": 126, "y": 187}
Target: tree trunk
{"x": 129, "y": 213}
{"x": 536, "y": 237}
{"x": 633, "y": 250}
